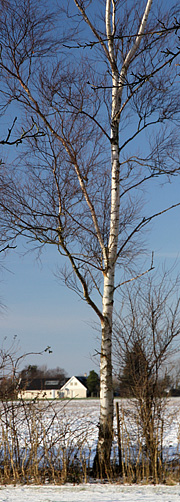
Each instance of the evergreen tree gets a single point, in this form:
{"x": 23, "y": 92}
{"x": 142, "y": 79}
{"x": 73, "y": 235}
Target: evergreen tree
{"x": 93, "y": 383}
{"x": 135, "y": 371}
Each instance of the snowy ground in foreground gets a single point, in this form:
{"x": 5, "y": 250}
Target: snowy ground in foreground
{"x": 90, "y": 493}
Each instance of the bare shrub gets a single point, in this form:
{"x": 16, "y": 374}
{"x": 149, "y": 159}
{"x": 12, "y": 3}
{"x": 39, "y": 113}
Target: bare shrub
{"x": 147, "y": 333}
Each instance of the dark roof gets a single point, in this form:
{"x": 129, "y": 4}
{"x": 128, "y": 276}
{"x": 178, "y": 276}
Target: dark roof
{"x": 40, "y": 384}
{"x": 83, "y": 380}
{"x": 47, "y": 383}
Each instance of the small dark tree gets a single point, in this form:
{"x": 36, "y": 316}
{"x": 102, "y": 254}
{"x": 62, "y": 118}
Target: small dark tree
{"x": 136, "y": 366}
{"x": 93, "y": 383}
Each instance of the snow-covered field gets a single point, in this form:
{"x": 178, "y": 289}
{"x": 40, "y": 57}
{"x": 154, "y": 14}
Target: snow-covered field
{"x": 80, "y": 418}
{"x": 77, "y": 421}
{"x": 90, "y": 493}
{"x": 74, "y": 424}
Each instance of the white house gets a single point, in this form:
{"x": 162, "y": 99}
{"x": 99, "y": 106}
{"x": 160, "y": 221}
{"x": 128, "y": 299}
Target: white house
{"x": 75, "y": 387}
{"x": 42, "y": 388}
{"x": 39, "y": 388}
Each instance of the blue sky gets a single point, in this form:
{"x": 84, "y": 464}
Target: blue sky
{"x": 40, "y": 311}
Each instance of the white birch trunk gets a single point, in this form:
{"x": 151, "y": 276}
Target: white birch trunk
{"x": 106, "y": 390}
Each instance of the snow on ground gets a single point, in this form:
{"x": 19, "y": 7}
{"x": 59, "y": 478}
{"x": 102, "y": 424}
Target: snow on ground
{"x": 76, "y": 417}
{"x": 95, "y": 492}
{"x": 74, "y": 422}
{"x": 81, "y": 417}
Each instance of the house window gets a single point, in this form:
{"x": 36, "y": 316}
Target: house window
{"x": 51, "y": 382}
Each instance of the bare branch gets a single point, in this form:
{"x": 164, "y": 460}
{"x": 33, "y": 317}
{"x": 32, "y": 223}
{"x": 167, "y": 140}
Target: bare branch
{"x": 25, "y": 134}
{"x": 137, "y": 276}
{"x": 144, "y": 222}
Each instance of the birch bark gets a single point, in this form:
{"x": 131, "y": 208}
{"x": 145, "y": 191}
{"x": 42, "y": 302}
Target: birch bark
{"x": 106, "y": 391}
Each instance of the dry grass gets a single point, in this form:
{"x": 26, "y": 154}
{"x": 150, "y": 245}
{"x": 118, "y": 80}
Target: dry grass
{"x": 42, "y": 442}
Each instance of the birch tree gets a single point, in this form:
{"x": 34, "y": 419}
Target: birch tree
{"x": 91, "y": 78}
